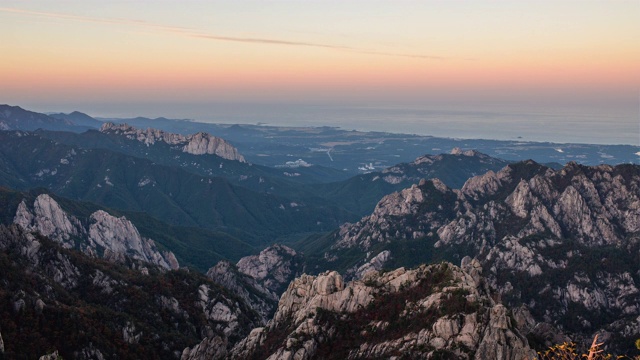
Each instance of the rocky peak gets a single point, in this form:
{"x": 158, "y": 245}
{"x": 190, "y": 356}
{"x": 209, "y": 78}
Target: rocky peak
{"x": 47, "y": 288}
{"x": 49, "y": 219}
{"x": 197, "y": 144}
{"x": 528, "y": 224}
{"x": 324, "y": 317}
{"x": 260, "y": 279}
{"x": 456, "y": 151}
{"x": 102, "y": 234}
{"x": 386, "y": 221}
{"x": 254, "y": 294}
{"x": 470, "y": 153}
{"x": 119, "y": 238}
{"x": 487, "y": 184}
{"x": 273, "y": 268}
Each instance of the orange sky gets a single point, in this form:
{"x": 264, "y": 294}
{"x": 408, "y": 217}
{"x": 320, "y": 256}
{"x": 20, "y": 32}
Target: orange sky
{"x": 279, "y": 51}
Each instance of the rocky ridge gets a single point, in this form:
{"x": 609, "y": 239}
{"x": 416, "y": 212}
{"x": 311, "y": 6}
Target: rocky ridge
{"x": 273, "y": 268}
{"x": 468, "y": 162}
{"x": 197, "y": 144}
{"x": 431, "y": 311}
{"x": 259, "y": 298}
{"x": 106, "y": 310}
{"x": 534, "y": 230}
{"x": 361, "y": 193}
{"x": 258, "y": 280}
{"x": 103, "y": 235}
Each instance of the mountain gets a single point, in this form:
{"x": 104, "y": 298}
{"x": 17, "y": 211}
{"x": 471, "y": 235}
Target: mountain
{"x": 436, "y": 311}
{"x": 169, "y": 194}
{"x": 78, "y": 118}
{"x": 314, "y": 184}
{"x": 86, "y": 308}
{"x": 352, "y": 151}
{"x": 196, "y": 144}
{"x": 191, "y": 156}
{"x": 361, "y": 193}
{"x": 17, "y": 118}
{"x": 103, "y": 235}
{"x": 260, "y": 279}
{"x": 564, "y": 244}
{"x": 193, "y": 247}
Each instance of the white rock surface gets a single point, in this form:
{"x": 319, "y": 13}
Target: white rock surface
{"x": 483, "y": 337}
{"x": 114, "y": 238}
{"x": 196, "y": 144}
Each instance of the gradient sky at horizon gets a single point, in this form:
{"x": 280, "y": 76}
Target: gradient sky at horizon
{"x": 89, "y": 55}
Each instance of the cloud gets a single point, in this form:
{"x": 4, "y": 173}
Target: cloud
{"x": 194, "y": 33}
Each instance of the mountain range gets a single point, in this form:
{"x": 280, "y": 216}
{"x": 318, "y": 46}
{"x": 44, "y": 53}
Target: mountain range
{"x": 127, "y": 241}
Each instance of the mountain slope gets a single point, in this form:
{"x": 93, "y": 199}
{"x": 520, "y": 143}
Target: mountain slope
{"x": 260, "y": 279}
{"x": 102, "y": 235}
{"x": 167, "y": 193}
{"x": 58, "y": 299}
{"x": 78, "y": 118}
{"x": 565, "y": 244}
{"x": 437, "y": 311}
{"x": 361, "y": 193}
{"x": 149, "y": 144}
{"x": 17, "y": 118}
{"x": 193, "y": 247}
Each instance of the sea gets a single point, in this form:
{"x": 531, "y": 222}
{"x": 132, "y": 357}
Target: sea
{"x": 592, "y": 125}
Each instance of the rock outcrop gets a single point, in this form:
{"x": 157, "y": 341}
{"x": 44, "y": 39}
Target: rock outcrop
{"x": 87, "y": 308}
{"x": 454, "y": 167}
{"x": 258, "y": 280}
{"x": 53, "y": 356}
{"x": 376, "y": 263}
{"x": 197, "y": 144}
{"x": 534, "y": 230}
{"x": 259, "y": 298}
{"x": 103, "y": 235}
{"x": 430, "y": 311}
{"x": 273, "y": 268}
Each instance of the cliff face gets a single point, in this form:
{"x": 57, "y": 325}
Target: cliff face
{"x": 196, "y": 144}
{"x": 438, "y": 310}
{"x": 104, "y": 236}
{"x": 564, "y": 243}
{"x": 258, "y": 280}
{"x": 273, "y": 268}
{"x": 86, "y": 308}
{"x": 259, "y": 298}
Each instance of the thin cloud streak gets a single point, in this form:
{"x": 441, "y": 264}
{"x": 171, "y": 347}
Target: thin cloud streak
{"x": 267, "y": 41}
{"x": 193, "y": 33}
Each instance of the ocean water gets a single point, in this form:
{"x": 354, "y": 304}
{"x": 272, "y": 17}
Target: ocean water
{"x": 591, "y": 125}
{"x": 552, "y": 125}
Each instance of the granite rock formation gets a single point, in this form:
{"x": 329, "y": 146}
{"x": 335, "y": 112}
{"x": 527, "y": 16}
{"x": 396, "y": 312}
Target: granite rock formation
{"x": 197, "y": 144}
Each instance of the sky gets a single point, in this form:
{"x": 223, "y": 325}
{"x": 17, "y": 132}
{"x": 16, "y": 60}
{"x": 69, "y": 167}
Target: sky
{"x": 187, "y": 58}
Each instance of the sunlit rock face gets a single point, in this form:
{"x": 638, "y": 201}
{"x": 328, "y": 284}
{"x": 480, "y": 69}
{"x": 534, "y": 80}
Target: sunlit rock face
{"x": 430, "y": 311}
{"x": 197, "y": 144}
{"x": 103, "y": 235}
{"x": 562, "y": 243}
